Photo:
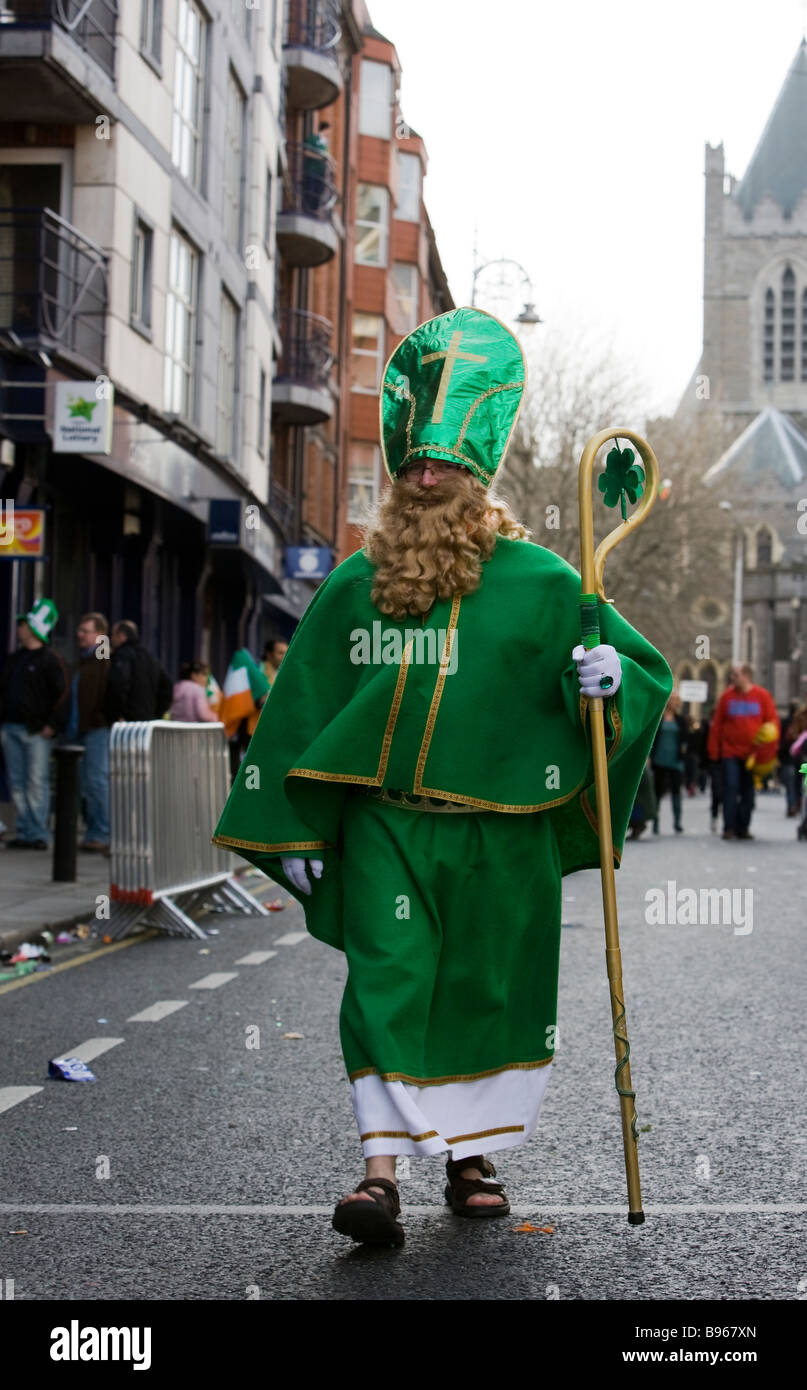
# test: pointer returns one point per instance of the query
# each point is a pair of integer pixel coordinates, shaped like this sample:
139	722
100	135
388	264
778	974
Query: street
205	1161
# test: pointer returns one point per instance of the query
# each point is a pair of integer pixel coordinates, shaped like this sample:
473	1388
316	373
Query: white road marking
256	958
12	1095
155	1012
93	1047
213	981
543	1208
291	938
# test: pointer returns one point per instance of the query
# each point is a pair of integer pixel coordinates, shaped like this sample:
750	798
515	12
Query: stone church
753	372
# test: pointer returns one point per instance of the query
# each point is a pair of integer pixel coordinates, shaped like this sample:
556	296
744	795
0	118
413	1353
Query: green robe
506	730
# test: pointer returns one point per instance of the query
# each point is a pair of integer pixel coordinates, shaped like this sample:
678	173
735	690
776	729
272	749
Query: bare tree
678	563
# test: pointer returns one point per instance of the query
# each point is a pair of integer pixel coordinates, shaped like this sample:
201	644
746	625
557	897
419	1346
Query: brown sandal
373	1222
458	1189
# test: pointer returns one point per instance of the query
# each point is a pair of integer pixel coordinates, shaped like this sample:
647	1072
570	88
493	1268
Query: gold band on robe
411	801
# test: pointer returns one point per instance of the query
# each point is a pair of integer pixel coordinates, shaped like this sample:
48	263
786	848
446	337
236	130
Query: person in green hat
421	778
33	708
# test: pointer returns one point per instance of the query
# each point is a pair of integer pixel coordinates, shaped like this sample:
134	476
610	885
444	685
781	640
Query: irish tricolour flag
244	685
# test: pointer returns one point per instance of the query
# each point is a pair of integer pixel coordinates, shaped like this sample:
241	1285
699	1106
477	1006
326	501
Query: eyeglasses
433	465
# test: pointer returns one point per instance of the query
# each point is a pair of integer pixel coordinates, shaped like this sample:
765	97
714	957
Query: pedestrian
798	752
736	730
137	686
33	708
273	653
789	764
190	702
668	759
693	757
645	807
425	751
89	726
243	696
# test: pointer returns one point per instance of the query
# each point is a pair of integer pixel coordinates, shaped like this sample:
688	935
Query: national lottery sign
22	532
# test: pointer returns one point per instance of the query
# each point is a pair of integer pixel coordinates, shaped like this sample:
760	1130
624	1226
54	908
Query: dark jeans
668	779
791	781
738	795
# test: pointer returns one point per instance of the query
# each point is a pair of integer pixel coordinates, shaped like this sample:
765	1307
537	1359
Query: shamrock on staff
621	477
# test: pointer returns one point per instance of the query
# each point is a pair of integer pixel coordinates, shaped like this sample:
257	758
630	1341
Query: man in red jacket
741	712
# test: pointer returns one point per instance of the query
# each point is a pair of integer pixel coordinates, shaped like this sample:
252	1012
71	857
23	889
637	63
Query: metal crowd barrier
168	784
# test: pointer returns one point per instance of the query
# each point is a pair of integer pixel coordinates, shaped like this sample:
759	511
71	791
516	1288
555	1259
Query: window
768	335
151	29
267	213
367	358
225	397
748	642
408	209
375	99
233	146
180	325
764	546
362	481
188	64
372	224
262	413
405	279
141	274
788	324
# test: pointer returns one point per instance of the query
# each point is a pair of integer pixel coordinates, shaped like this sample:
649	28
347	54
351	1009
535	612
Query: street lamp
737	605
512	280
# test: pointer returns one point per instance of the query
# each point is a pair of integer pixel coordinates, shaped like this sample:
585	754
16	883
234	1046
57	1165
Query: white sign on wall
82	419
693	692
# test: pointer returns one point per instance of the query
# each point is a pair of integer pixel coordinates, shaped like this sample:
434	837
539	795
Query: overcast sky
571	135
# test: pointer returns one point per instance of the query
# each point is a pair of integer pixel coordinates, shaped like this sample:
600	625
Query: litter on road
69	1069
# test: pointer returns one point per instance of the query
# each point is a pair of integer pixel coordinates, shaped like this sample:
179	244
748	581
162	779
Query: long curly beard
430	543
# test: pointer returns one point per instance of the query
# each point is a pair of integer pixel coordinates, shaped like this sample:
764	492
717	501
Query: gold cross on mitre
451	354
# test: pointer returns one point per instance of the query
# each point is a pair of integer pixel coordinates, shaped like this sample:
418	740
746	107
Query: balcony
300	394
310	55
53	286
282	507
44	48
305	232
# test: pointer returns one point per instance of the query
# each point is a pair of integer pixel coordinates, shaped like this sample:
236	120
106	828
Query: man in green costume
424	755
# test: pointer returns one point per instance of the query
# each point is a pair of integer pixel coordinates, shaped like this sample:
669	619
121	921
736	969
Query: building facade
753	376
211	217
139	148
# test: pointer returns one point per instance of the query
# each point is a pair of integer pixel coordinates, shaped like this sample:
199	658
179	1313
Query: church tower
753	373
755	265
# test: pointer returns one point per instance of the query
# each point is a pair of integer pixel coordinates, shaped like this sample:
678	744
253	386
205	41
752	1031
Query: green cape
506	730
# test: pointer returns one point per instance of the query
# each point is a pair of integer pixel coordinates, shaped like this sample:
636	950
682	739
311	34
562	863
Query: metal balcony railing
91	23
307	357
312	24
53	283
309	185
281	505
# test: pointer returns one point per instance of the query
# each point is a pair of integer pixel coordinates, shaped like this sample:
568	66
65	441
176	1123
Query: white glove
294	869
593	665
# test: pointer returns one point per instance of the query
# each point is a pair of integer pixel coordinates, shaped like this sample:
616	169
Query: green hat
42	618
452	390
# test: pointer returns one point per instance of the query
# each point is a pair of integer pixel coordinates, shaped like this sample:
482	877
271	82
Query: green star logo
79	407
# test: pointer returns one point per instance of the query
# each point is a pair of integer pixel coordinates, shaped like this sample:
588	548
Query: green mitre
452	389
